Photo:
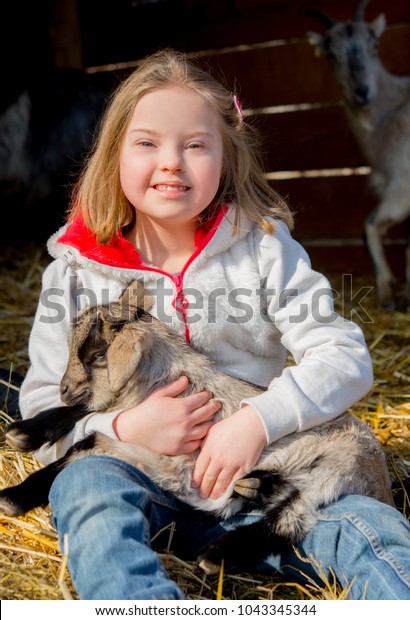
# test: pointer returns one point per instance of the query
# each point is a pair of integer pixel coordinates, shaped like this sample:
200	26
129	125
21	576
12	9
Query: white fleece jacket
245	300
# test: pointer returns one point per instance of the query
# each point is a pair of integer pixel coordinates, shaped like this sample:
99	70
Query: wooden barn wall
261	48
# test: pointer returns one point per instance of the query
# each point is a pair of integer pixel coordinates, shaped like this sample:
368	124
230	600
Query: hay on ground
32	566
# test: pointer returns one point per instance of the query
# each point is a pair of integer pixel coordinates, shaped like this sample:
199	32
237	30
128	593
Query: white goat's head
352	49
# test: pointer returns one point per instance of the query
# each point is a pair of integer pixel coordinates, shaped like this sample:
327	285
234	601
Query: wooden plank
395	49
135	30
331	208
254	22
343	10
276	75
115	32
291	73
65	35
356	261
308	139
328	208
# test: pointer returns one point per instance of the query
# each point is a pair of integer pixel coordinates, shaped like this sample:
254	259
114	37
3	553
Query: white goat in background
377	105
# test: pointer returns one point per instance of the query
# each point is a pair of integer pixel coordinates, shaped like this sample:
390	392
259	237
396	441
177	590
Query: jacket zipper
180	302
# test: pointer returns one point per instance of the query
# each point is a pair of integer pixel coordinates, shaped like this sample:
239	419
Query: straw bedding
32	567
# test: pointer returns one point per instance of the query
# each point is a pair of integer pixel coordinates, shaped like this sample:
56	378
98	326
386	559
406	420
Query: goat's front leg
407	291
46	427
248	488
375	228
34	490
394	208
260	487
243	548
249	544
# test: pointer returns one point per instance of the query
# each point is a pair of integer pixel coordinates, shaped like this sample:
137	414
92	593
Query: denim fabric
111	512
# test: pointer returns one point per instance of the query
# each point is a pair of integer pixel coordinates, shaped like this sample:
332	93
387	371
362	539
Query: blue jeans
111	511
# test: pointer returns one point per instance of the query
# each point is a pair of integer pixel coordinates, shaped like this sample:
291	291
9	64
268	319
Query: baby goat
377	105
118	354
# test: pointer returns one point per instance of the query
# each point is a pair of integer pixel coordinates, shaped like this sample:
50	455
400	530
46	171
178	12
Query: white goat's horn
359	13
322	17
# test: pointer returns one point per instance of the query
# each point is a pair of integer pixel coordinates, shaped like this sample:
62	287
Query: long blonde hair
98	195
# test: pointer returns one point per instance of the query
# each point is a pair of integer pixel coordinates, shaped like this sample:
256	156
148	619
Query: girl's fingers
195	401
209	480
222	483
200	430
173	389
212	481
205	412
198	403
201	465
191	446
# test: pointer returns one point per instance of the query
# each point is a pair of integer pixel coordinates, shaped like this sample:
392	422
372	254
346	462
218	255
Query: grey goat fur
377	105
118	354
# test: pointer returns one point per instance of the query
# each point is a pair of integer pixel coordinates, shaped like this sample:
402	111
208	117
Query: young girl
173	193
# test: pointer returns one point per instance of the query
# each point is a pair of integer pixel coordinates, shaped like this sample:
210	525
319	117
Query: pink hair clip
238	106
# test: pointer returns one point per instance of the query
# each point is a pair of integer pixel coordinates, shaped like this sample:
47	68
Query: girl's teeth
163	188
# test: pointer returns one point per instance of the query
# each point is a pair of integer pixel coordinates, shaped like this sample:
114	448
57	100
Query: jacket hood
77	243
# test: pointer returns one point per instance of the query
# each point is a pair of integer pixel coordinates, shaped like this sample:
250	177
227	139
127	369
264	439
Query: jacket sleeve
48	352
333	368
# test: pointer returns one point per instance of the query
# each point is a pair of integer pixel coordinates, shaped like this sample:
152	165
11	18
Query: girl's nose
171	160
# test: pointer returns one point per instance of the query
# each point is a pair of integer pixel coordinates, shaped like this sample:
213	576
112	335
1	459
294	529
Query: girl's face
171	156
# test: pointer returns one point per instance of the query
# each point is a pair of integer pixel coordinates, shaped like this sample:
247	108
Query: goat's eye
98	357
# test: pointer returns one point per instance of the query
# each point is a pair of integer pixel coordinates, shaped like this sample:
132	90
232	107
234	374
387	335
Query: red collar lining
120	252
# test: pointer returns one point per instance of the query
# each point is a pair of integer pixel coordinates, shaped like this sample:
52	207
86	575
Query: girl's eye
145	143
196	145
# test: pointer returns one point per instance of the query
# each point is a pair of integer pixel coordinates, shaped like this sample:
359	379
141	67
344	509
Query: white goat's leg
393	209
384	277
407	291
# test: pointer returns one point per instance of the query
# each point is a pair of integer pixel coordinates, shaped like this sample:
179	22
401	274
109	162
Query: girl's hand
230	450
166	424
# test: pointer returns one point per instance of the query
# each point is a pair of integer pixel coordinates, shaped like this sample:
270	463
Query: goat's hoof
385	296
18	439
258	486
210	561
248	487
209	568
388	306
9	507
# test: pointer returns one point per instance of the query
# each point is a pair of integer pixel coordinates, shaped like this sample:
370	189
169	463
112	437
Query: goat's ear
136	296
123	357
378	25
316	39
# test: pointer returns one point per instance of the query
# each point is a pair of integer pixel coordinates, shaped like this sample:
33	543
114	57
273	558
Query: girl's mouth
171	188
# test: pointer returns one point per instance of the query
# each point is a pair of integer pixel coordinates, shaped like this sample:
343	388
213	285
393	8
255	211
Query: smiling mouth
171	188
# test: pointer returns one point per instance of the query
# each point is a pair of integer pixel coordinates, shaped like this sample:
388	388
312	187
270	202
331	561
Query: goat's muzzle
362	95
70	398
